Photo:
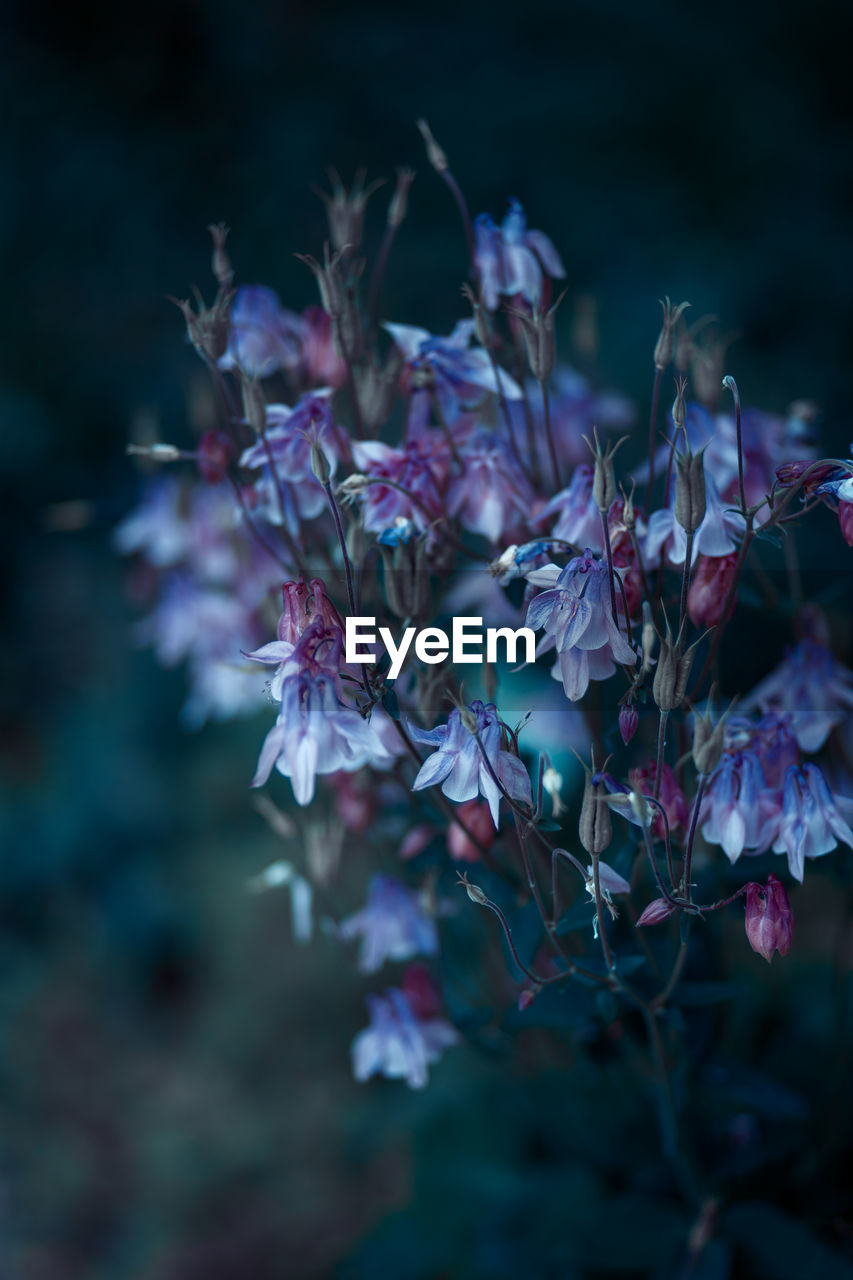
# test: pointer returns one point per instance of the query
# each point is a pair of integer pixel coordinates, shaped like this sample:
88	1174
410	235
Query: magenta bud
525	1000
628	721
656	912
769	918
212	456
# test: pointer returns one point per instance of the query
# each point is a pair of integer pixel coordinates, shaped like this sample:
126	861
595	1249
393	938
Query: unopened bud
628	721
678	406
220	262
475	893
525	999
666	337
320	463
156	452
769	919
656	912
690	490
435	155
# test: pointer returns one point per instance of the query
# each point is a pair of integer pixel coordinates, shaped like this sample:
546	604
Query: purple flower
264	338
418	468
315	732
737	805
577	618
491	494
460	763
462	373
290	433
578	517
810	823
398	1043
393	925
511	259
575	408
816	690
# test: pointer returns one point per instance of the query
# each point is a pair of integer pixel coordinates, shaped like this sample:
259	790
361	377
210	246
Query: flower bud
678	407
525	999
475	893
212	456
320	463
689	490
769	919
595	829
477	823
220	263
628	721
435	155
656	912
399	200
666	337
709	589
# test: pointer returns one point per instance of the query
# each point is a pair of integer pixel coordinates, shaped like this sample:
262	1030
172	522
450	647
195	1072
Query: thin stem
691	836
653	423
685	581
605	529
546	410
348	569
730	383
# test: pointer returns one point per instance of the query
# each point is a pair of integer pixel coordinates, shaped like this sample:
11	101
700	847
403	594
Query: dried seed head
345	209
666	337
538	329
690	503
399	201
220	263
672	672
678	406
595	828
435	155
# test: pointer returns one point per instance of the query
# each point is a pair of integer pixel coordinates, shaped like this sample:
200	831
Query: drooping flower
466	763
737	805
491	495
576	615
264	337
810	823
769	919
813	687
461	374
419	468
478	824
400	1042
393	925
511	259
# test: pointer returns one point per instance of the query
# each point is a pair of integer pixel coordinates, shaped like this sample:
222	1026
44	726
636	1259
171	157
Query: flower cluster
361	469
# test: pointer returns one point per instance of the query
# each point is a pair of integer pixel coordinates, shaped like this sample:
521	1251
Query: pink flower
769	919
709	589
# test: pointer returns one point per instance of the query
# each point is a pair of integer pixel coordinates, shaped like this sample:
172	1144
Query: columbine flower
419	468
737	805
671	798
302	604
810	823
315	732
461	373
491	495
264	337
578	517
289	437
478	821
393	925
460	763
811	685
511	259
400	1042
577	618
769	919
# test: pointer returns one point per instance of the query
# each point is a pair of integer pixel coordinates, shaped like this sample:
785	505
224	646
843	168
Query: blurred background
175	1091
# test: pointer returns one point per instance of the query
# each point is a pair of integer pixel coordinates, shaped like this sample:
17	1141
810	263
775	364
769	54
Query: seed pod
690	490
666	337
595	829
672	673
